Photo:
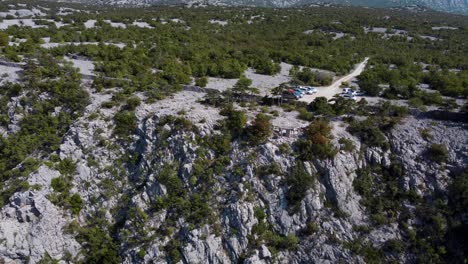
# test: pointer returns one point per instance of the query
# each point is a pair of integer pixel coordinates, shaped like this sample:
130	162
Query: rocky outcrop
113	177
410	147
30	227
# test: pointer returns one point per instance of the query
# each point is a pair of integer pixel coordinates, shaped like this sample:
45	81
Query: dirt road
330	91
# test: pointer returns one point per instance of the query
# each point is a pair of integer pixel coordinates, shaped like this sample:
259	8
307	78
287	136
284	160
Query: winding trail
331	90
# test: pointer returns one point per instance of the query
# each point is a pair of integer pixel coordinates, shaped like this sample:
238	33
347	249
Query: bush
260	129
346	144
97	246
309	77
310	229
270	169
267	67
202	81
220	143
172	249
437	153
369	83
299	181
125	123
304	114
235	121
76	203
66	166
321	106
369	133
284	148
317	141
426	134
133	102
61	184
3	39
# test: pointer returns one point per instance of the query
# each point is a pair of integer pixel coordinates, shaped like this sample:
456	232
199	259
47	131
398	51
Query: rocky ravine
123	183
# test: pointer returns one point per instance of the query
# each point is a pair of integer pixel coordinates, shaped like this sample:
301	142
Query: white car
311	90
359	93
349	96
352	92
347	90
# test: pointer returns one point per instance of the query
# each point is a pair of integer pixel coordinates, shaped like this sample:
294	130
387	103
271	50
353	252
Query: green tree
278	92
125	123
4	39
321	106
317	141
299	181
242	87
235	121
260	129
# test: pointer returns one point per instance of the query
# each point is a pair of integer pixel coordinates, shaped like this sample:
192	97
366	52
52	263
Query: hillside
232	135
451	6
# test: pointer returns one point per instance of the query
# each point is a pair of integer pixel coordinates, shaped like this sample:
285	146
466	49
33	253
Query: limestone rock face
30	226
411	149
122	182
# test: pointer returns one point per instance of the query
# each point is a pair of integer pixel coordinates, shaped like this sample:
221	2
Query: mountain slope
453	6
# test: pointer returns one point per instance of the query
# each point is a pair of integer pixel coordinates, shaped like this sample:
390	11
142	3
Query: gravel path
330	91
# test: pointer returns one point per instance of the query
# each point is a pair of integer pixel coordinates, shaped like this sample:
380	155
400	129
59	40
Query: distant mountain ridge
452	6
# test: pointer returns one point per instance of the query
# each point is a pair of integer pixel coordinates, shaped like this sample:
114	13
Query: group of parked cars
299	91
351	94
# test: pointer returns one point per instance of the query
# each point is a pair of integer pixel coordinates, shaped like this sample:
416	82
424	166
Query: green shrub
426	134
235	121
125	123
284	148
346	144
66	166
259	214
76	203
220	143
202	81
4	39
133	102
270	169
260	130
304	114
317	141
299	181
370	253
61	184
321	106
97	246
47	259
437	153
310	229
369	133
172	249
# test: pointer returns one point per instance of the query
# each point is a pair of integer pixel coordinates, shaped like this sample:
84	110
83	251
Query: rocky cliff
177	191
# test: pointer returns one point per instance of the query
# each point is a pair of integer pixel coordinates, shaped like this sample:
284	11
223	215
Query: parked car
352	92
292	94
346	90
349	96
359	93
298	95
299	90
311	90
